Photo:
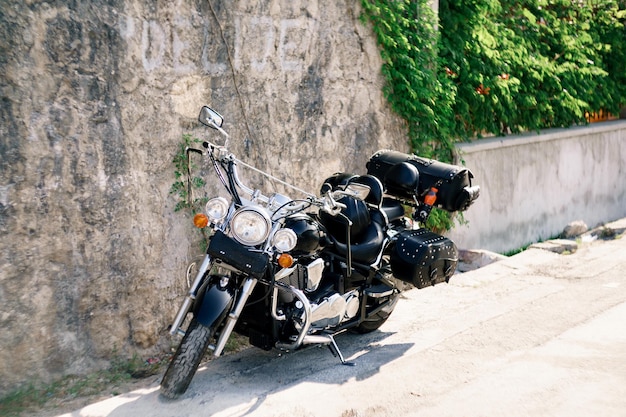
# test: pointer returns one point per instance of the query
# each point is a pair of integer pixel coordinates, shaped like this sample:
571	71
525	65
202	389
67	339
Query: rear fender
212	305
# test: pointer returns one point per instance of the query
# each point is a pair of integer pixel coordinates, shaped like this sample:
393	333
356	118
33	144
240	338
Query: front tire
186	360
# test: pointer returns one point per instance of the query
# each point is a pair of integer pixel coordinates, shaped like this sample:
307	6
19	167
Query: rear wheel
186	360
379	318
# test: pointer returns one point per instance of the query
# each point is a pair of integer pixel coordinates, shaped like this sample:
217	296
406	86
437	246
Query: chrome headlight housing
284	240
250	226
216	209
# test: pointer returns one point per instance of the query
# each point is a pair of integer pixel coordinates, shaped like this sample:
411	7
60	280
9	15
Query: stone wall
533	185
95	97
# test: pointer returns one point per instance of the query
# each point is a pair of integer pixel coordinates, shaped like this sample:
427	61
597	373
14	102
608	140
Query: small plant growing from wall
187	185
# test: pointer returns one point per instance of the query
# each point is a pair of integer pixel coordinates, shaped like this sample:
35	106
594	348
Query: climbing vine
409	43
498	66
532	64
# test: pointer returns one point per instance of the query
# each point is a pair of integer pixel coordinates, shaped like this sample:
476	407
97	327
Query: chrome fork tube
232	318
191	296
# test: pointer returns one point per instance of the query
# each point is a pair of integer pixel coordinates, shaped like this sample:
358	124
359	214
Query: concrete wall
533	185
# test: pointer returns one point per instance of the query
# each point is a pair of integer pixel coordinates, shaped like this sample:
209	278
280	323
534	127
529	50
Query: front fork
190	298
233	316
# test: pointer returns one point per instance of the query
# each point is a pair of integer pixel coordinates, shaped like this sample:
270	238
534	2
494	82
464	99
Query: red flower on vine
450	72
481	89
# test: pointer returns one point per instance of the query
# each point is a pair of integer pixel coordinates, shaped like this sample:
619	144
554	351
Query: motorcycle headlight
284	240
250	226
216	209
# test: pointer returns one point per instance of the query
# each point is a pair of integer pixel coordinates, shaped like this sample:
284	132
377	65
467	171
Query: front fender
212	306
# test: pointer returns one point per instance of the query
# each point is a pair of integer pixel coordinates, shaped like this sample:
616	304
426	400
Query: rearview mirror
210	117
358	191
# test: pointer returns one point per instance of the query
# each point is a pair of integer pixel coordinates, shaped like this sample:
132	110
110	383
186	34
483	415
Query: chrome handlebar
326	203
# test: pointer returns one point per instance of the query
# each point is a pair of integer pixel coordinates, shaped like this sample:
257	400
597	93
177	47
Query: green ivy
533	64
411	65
415	88
498	66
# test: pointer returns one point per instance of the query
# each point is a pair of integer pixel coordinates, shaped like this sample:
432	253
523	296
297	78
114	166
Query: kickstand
334	349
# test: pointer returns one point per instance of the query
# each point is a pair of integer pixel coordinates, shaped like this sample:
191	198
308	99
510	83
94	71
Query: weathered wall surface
533	185
95	97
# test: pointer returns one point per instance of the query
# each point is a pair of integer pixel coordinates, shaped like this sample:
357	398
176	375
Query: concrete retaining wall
533	185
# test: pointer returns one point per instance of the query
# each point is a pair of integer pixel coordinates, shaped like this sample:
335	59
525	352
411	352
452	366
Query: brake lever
339	206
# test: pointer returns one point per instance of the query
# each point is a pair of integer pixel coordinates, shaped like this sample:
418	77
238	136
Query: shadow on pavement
238	384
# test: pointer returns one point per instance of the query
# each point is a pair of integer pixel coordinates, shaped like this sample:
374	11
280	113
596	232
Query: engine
328	308
330	311
334	309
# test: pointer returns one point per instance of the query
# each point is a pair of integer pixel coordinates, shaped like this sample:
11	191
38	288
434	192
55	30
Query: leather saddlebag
423	258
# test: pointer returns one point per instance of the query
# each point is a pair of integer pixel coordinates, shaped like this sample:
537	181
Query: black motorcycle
287	273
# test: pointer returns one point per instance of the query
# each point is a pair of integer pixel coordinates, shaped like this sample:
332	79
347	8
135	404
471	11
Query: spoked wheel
376	320
186	360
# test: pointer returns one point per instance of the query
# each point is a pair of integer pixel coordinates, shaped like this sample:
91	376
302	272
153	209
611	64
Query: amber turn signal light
431	197
200	220
285	260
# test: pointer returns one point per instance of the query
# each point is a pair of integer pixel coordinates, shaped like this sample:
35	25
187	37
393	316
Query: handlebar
327	202
223	155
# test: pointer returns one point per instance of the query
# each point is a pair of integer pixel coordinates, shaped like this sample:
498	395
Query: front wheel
186	360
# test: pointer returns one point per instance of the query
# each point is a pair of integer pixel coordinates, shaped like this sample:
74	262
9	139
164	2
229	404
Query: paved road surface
538	334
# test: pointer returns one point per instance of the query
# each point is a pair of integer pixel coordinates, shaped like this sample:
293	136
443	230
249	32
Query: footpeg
379	291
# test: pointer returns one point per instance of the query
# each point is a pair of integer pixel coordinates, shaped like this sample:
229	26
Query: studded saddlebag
423	258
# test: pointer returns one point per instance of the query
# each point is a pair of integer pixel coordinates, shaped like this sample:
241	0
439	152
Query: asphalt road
538	334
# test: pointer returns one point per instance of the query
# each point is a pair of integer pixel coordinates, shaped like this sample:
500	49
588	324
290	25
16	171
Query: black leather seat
393	209
367	248
366	238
